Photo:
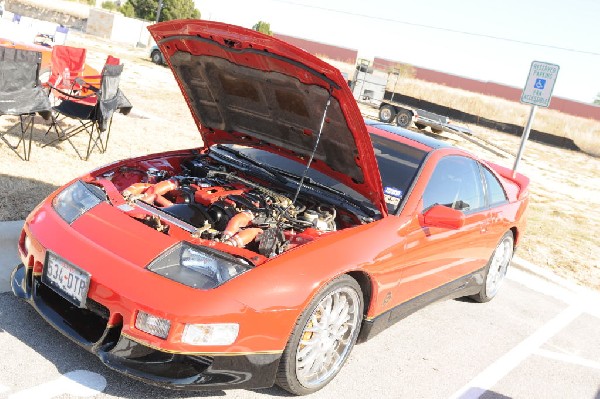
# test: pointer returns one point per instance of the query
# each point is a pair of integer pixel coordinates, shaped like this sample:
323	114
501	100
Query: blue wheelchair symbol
540	84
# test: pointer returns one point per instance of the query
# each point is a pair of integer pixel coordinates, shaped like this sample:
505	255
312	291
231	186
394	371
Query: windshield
291	167
398	165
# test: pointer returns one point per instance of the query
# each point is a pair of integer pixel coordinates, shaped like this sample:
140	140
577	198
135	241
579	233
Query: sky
481	39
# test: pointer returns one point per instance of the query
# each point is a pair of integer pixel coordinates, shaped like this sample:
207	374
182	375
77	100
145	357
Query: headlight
152	325
76	200
196	267
210	334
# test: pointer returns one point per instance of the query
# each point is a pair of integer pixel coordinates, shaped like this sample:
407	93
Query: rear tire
323	338
496	268
387	113
404	118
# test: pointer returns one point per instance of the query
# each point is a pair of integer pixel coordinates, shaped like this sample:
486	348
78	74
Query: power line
355	14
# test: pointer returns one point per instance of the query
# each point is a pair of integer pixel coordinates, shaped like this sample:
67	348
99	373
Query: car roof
429	142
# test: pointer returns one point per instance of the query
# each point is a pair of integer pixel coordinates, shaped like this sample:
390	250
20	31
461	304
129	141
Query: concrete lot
539	338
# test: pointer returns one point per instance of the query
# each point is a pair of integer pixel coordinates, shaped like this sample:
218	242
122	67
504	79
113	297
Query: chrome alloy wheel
498	266
327	337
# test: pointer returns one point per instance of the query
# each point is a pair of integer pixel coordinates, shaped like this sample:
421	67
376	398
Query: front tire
322	338
387	113
156	57
496	269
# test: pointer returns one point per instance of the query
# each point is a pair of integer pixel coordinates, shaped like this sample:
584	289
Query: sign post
537	92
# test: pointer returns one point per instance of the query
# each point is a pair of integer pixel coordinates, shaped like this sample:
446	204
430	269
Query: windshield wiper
274	172
339	194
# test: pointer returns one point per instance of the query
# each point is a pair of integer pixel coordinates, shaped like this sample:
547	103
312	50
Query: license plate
66	279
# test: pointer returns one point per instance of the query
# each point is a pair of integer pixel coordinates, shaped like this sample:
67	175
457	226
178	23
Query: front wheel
387	113
156	57
323	338
496	269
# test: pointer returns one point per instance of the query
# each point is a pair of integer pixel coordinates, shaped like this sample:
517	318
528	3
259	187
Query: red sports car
263	256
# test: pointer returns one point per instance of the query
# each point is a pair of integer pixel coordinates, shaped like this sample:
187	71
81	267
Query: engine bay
203	200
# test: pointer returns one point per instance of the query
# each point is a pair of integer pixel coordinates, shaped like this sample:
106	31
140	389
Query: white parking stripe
501	367
81	383
558	288
563	357
3	388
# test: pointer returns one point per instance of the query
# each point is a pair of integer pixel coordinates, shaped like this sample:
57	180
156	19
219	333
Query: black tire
156	57
387	113
420	126
404	118
435	130
291	374
495	270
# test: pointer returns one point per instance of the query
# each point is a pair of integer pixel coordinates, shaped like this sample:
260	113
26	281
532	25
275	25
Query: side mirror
442	216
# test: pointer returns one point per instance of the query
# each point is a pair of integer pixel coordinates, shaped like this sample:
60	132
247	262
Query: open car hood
248	88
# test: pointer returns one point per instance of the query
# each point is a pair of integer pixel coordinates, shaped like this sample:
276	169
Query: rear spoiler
520	180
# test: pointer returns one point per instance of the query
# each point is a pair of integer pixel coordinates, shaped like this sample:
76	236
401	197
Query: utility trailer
369	86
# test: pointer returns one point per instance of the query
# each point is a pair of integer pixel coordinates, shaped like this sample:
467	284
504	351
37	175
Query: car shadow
21	321
20	195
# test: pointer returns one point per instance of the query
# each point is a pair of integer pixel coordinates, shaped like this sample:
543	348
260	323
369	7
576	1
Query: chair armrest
70	95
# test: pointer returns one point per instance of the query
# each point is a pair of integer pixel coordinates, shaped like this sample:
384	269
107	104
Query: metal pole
160	4
524	138
397	73
364	63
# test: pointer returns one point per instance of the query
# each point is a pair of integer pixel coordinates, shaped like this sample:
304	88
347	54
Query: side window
496	193
455	183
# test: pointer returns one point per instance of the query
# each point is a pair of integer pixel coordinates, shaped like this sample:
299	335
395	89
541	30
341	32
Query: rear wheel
496	269
323	338
387	113
404	118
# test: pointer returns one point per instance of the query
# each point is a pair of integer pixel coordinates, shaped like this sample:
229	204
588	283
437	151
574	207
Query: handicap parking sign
540	84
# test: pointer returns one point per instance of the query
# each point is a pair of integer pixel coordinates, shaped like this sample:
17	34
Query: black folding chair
93	112
21	95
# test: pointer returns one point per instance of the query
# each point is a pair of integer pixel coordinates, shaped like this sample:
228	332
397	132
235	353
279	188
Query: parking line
563	357
80	383
501	367
3	388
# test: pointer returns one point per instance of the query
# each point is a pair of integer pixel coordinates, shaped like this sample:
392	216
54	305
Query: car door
436	256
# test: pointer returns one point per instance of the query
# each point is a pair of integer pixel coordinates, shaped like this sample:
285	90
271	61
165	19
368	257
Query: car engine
215	202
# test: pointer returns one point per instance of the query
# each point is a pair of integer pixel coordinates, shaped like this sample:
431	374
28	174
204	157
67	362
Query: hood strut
310	159
314	150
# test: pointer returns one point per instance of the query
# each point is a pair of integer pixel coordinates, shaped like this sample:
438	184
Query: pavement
9	258
539	338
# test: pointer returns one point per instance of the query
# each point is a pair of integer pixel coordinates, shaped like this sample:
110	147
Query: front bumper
90	329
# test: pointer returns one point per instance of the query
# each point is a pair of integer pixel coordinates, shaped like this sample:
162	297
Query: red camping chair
68	63
93	111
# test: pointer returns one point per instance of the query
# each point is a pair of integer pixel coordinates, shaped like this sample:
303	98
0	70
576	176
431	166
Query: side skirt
464	286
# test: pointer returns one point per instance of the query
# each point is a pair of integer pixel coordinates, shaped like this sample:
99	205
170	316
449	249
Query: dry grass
584	132
564	222
79	9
